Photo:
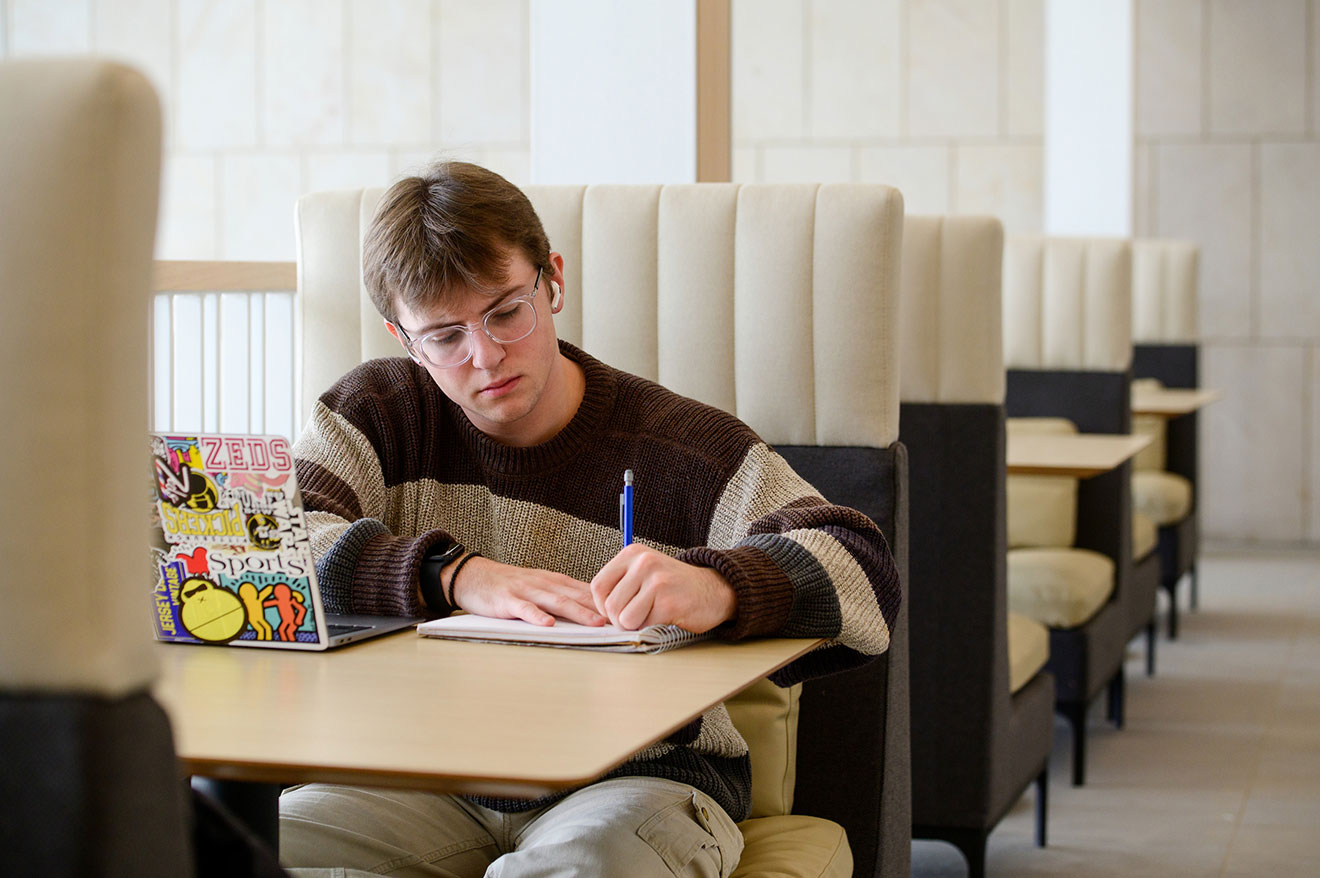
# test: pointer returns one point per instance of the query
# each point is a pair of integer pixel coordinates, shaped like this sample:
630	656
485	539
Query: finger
621	595
530	612
635	614
604	582
573	607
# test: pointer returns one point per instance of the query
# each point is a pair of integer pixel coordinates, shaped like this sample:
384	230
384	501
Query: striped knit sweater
389	467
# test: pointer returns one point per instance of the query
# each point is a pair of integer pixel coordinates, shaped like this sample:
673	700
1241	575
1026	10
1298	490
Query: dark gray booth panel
1177	365
975	746
853	748
90	787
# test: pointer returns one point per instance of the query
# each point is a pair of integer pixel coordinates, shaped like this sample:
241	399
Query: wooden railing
224	347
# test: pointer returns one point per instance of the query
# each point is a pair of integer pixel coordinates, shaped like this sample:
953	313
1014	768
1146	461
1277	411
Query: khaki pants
632	827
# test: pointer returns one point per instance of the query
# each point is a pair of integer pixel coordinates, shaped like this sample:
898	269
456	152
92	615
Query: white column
1088	117
613	89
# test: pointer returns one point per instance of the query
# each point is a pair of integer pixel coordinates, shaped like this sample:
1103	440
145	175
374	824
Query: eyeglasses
451	346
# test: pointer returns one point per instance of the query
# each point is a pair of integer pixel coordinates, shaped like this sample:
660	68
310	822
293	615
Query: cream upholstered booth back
814	271
1067	303
1165	275
950	319
80	145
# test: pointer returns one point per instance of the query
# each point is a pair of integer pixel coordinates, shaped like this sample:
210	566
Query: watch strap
435	560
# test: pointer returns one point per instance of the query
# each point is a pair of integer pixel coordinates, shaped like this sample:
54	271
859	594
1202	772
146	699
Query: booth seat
778	843
1145	533
1161	496
88	780
1028	650
706	288
1165	279
982	701
1068	352
1048	579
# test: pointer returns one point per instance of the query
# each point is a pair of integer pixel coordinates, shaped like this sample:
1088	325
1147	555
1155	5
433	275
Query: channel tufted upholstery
1165	275
88	778
1165	278
1067	303
1068	349
751	298
980	736
778	303
951	338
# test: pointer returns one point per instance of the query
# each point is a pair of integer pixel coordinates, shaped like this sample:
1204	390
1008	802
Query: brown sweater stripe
326	492
765	595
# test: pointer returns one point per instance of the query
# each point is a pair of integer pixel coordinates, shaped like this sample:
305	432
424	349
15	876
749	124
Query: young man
481	473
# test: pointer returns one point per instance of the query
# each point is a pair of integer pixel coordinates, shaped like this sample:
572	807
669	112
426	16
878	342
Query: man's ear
556	282
394	331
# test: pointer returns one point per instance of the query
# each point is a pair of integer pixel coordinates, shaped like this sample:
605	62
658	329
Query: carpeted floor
1217	772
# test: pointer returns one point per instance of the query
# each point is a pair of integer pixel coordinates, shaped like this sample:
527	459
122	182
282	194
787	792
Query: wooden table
408	711
1080	455
1171	402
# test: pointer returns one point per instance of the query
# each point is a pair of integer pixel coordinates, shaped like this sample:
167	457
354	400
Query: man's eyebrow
445	324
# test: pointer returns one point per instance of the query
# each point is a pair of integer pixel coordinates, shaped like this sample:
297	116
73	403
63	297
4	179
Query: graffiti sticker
232	557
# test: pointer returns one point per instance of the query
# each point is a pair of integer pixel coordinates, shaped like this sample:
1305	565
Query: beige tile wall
267	99
1228	154
942	98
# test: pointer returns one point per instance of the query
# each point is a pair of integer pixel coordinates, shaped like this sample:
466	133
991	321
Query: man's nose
486	352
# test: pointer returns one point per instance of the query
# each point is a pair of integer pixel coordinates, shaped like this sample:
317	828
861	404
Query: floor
1217	772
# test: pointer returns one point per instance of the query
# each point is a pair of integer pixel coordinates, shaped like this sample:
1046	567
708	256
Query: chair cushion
1028	649
1042	510
1145	535
794	846
1154	456
1061	588
766	716
1162	497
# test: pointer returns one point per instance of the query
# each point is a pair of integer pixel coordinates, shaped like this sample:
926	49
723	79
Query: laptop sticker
232	557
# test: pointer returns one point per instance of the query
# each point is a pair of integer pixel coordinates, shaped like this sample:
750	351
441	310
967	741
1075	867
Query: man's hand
501	591
640	587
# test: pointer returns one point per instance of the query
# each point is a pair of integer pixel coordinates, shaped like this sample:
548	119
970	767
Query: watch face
449	554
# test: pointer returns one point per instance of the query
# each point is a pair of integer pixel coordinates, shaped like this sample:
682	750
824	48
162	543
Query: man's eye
446	340
506	314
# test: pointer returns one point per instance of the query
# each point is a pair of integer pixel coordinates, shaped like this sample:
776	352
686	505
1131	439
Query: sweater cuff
764	593
370	571
386	579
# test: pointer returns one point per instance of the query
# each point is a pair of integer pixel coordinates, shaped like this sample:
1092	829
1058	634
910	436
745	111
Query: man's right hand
502	591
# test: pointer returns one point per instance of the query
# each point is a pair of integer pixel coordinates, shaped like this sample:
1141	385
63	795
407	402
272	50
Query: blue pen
627	513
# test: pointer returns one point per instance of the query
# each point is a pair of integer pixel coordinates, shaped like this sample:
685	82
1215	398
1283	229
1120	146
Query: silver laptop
231	556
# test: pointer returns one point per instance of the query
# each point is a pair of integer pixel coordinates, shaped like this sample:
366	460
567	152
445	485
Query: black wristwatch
437	557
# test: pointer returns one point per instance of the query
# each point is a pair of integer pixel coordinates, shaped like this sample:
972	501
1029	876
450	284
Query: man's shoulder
654	410
375	381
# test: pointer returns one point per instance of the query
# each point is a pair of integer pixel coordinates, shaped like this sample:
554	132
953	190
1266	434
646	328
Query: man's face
503	387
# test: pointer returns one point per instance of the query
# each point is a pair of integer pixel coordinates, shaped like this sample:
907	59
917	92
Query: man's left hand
640	587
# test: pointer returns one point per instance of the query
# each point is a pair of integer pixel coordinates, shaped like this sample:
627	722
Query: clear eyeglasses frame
451	346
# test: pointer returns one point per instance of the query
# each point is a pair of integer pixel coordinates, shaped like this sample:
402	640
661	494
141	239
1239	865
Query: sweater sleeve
361	566
801	567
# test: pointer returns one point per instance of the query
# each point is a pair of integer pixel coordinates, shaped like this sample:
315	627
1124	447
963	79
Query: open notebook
653	638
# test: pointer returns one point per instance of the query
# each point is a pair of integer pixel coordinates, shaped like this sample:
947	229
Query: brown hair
448	228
